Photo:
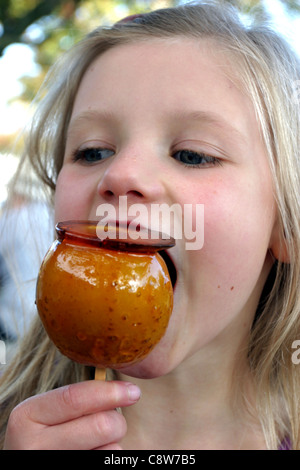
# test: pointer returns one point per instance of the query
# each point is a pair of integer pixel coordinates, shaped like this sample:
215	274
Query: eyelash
81	155
209	160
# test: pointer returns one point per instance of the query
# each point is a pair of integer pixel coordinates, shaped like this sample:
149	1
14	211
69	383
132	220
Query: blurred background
33	33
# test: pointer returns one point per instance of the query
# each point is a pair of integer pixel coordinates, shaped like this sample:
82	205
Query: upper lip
137	227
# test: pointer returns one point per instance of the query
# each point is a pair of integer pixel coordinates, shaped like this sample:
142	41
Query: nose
133	176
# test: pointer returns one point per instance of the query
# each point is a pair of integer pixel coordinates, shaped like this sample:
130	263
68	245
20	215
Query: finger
102	429
75	400
114	446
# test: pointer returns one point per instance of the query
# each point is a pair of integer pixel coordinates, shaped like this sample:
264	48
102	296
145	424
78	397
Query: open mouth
170	265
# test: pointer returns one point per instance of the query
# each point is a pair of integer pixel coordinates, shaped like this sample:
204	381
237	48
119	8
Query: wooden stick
100	374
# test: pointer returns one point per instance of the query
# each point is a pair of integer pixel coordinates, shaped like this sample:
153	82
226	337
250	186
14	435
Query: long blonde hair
268	70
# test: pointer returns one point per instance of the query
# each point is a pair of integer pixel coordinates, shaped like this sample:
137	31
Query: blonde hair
268	70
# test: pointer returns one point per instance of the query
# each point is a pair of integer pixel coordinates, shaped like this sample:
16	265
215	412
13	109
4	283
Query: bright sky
18	60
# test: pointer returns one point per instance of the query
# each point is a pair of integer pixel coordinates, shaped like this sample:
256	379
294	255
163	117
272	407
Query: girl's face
163	123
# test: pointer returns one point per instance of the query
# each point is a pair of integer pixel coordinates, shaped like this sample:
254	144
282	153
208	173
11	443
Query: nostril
130	194
108	193
134	193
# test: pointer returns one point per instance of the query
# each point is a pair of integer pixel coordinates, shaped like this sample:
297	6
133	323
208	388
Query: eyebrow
88	116
212	118
207	117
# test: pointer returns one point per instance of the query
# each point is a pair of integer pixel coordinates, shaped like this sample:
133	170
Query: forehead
174	75
180	57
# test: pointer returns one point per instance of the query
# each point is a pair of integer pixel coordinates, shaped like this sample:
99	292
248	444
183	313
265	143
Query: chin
157	364
144	370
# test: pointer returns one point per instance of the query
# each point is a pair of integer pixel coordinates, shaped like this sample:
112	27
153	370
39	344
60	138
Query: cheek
241	212
238	223
71	198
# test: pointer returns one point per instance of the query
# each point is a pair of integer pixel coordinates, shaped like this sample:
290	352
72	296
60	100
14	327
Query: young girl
185	106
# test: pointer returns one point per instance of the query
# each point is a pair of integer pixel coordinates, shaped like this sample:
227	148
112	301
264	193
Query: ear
278	244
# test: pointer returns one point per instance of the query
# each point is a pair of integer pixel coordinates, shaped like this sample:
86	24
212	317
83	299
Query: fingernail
134	392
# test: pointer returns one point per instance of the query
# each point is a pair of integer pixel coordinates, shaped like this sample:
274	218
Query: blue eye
92	155
194	159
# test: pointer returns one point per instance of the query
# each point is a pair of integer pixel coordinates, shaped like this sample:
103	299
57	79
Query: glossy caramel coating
103	307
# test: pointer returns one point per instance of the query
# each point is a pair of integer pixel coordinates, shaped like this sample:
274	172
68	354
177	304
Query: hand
79	416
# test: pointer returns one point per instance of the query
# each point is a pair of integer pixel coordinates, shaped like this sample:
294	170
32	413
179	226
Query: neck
194	407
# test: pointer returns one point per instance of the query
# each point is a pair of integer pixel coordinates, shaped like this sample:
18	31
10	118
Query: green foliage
53	26
21	18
